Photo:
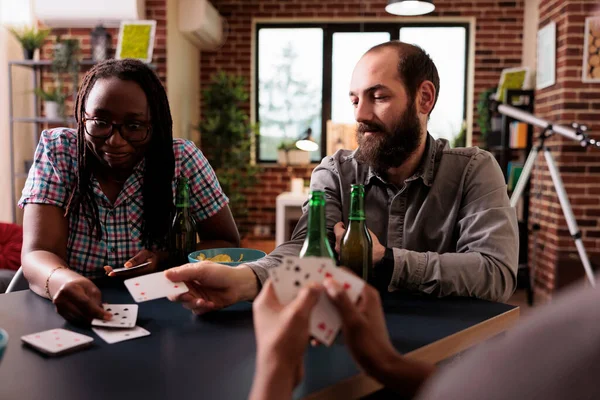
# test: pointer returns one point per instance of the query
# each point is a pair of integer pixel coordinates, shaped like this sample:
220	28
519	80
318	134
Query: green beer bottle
356	249
316	243
183	228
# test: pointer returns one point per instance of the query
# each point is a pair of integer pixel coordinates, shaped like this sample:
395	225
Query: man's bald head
414	66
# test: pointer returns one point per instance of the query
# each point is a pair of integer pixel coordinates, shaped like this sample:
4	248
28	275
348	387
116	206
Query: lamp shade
307	142
410	7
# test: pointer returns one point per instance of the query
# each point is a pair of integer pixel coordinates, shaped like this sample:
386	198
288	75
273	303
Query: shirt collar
132	185
425	171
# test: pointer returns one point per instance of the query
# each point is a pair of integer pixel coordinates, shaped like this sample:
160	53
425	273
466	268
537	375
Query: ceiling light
410	7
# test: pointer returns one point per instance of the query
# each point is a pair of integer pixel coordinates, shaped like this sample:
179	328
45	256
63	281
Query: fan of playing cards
294	273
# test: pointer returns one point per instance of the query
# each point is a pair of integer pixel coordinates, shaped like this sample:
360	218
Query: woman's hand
78	299
142	263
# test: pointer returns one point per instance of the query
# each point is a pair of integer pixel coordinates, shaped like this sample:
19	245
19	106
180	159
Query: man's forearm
262	266
459	274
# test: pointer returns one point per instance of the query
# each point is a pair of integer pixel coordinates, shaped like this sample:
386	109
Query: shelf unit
524	100
36	119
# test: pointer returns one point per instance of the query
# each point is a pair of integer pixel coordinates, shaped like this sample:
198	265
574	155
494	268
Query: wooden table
213	357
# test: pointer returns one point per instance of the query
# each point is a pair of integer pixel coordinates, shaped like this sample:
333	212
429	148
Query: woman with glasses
102	195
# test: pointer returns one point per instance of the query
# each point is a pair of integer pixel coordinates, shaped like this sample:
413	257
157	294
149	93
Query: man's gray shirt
450	226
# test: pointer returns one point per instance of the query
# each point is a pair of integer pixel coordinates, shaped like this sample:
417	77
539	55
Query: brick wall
498	33
568	100
155	9
261	199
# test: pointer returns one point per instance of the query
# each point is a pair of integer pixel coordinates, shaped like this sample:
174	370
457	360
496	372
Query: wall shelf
35	119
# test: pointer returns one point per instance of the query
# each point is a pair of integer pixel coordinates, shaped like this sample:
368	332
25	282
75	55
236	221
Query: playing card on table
57	341
153	286
111	336
123	316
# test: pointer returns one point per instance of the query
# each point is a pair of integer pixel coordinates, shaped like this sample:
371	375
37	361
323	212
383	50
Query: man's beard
383	150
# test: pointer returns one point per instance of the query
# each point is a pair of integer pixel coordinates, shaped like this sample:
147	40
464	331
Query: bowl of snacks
228	256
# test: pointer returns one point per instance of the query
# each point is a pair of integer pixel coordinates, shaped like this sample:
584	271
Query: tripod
548	130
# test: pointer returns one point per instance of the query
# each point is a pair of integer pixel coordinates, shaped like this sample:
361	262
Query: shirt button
112	249
111	213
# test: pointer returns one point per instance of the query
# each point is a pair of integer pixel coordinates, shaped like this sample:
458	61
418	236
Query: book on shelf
513	173
518	135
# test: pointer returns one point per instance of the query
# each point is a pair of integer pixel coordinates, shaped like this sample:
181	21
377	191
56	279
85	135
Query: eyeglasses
130	131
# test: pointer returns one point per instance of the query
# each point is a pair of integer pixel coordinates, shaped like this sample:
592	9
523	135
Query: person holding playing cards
101	195
439	218
530	362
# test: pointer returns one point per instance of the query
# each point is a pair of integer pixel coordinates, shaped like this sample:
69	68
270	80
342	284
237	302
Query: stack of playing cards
295	273
57	342
121	326
143	288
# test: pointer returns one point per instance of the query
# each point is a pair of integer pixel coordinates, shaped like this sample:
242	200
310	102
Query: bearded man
439	217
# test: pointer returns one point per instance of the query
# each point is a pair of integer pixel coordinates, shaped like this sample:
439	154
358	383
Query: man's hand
378	250
78	300
142	257
282	334
213	286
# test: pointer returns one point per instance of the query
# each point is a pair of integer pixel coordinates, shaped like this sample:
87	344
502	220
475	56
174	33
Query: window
443	44
303	75
347	49
290	82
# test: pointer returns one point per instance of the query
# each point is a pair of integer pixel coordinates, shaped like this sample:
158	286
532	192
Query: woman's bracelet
48	281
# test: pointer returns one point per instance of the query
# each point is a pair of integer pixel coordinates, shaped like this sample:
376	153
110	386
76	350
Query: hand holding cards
153	286
294	273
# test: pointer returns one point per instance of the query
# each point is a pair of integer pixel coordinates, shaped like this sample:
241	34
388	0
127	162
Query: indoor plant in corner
227	138
30	38
54	102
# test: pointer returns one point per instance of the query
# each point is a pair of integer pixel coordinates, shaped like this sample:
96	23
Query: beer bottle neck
182	198
316	223
357	206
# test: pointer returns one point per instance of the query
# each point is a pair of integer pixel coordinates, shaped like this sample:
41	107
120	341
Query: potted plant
488	124
64	59
227	138
54	102
31	39
289	154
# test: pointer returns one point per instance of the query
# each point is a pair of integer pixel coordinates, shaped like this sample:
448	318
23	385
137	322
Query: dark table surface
209	357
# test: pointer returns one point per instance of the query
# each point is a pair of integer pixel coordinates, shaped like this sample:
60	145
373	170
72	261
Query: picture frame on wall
546	56
591	50
136	40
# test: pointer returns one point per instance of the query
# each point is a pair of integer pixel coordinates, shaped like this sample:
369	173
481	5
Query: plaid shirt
52	177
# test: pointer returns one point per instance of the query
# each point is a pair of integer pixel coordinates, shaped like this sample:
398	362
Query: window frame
329	28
